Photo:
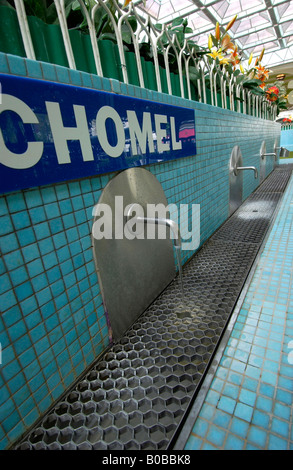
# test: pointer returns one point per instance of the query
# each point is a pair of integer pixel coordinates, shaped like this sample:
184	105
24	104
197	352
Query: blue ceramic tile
257	436
227	404
282	411
234	443
200	428
7	300
16	65
65	206
28	305
115	85
35	267
59	240
42	230
49	71
280	427
106	84
86	80
239	427
3	63
23	291
269	377
243	411
216	436
75	77
97	82
39	282
50	260
194	443
47	309
248	397
62	74
48	195
277	443
45	246
52	210
34	69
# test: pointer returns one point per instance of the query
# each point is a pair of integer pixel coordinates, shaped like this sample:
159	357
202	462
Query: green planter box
10	36
110	59
131	66
47	41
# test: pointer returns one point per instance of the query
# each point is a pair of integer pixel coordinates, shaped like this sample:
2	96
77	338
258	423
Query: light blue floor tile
249	405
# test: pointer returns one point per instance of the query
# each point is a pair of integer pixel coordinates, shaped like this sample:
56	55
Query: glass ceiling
260	23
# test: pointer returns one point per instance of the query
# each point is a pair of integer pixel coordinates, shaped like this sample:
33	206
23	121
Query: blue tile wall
53	324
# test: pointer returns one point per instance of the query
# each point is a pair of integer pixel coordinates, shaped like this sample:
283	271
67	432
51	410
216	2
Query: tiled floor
249	400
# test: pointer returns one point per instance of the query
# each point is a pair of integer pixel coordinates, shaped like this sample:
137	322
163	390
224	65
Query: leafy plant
46	11
177	32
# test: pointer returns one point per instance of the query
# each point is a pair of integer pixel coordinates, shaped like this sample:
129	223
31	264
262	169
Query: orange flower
227	44
234	57
262	73
230	24
272	93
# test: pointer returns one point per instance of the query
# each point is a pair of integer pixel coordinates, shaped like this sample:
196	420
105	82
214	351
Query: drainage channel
138	394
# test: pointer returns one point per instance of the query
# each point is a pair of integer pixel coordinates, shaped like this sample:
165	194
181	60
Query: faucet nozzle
246	168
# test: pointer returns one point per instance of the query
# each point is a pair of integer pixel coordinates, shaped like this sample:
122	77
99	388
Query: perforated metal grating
136	396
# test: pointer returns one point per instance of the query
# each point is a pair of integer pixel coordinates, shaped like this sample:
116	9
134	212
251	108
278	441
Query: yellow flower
210	42
261	55
217	32
250	59
218	55
241	68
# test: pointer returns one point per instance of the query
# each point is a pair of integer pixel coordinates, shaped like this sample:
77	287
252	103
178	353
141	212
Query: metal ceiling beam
275	23
199	6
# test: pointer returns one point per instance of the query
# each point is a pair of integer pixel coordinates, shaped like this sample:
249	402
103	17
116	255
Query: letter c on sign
19	161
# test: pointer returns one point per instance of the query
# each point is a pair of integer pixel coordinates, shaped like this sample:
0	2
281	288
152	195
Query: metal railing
213	84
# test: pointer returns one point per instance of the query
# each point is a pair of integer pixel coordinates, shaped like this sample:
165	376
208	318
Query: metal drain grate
250	222
136	396
277	180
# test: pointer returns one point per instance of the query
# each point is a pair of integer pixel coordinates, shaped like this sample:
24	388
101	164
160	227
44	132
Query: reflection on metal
272	154
132	272
262	170
235	180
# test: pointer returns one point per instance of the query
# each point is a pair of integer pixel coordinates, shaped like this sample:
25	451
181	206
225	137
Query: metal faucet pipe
246	168
158	221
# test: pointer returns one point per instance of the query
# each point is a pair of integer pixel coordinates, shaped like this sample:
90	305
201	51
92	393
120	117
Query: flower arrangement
226	54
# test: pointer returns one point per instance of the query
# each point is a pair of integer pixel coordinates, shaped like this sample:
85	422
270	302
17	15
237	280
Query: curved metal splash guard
235	180
132	272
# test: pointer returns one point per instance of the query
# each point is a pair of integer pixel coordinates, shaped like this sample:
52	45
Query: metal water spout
284	153
246	168
157	221
272	154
